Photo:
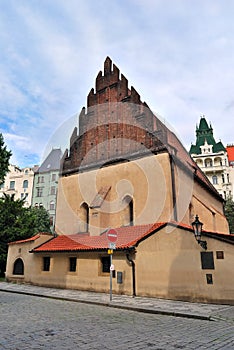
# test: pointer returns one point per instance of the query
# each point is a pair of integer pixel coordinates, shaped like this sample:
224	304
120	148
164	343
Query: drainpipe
173	188
133	274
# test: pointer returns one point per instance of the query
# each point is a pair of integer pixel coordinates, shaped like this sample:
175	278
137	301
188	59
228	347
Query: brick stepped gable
117	125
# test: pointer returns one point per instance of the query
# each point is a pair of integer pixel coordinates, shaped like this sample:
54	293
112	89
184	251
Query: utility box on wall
119	277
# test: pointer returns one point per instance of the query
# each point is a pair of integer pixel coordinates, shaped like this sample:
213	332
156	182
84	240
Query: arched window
25	184
215	180
18	268
223	178
52	205
208	162
84	218
128	211
191	212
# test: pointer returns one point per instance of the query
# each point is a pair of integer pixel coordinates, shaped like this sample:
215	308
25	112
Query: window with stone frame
52	190
12	185
39	191
25	184
215	180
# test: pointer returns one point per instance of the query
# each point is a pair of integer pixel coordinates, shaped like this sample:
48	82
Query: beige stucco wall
21	250
146	180
167	265
88	275
194	199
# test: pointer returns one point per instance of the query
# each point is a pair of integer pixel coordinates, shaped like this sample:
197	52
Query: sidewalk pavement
209	312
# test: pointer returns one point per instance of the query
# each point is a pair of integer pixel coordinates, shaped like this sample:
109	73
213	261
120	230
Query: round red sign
112	235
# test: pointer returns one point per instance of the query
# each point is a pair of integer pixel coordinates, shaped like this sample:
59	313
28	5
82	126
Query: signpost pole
110	278
112	237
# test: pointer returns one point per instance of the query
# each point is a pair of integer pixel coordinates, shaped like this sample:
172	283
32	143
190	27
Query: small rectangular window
46	263
105	260
220	254
12	185
52	190
72	264
39	192
209	278
53	177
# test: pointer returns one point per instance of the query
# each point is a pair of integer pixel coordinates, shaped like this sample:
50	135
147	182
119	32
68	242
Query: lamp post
197	230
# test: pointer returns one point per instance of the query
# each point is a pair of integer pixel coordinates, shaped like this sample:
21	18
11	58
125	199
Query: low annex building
127	171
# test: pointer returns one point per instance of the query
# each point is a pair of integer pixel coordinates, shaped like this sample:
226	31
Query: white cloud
178	55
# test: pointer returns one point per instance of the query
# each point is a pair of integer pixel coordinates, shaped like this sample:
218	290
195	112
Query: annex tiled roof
127	237
30	239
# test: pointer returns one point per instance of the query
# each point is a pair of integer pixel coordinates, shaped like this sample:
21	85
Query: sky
178	55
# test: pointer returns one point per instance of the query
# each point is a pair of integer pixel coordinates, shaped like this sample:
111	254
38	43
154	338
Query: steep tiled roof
127	237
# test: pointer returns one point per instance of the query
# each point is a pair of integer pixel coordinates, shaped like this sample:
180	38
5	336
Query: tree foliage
4	159
229	212
18	222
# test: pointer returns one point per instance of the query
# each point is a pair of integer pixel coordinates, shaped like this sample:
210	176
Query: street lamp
197	230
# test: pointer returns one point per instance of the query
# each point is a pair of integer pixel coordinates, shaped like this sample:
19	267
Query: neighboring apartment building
212	158
230	153
46	183
19	182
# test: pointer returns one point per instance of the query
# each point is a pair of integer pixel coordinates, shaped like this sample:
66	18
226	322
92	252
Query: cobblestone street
30	322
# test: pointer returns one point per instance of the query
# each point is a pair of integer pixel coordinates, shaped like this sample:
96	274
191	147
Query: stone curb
115	305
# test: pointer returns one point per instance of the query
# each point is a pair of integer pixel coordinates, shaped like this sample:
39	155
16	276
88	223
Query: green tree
4	159
229	212
18	222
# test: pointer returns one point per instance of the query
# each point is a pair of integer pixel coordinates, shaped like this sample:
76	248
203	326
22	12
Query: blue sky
178	54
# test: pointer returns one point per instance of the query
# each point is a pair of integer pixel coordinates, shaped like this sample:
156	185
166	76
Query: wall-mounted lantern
197	230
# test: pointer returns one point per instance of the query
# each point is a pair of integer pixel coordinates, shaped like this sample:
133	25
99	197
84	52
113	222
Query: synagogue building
126	173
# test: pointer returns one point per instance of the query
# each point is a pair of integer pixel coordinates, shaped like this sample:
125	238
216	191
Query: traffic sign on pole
112	245
112	235
112	238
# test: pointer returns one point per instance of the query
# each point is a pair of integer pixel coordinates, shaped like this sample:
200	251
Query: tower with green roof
211	157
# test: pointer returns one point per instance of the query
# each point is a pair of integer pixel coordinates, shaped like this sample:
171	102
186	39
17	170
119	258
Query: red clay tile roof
33	238
230	152
126	237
